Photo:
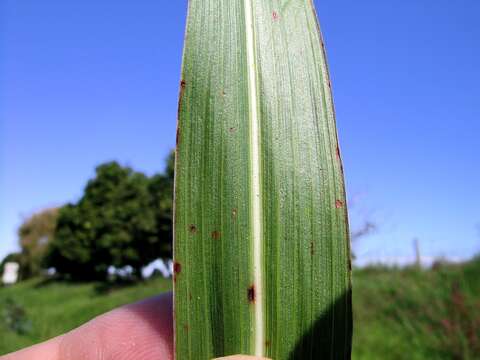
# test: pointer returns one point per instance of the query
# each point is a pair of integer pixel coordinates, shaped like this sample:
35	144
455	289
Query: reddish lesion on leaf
192	229
180	98
216	235
177	269
339	204
178	135
251	294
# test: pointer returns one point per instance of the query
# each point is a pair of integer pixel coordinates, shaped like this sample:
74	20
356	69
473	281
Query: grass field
399	313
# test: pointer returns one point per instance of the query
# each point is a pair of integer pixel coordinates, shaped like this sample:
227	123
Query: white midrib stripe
256	206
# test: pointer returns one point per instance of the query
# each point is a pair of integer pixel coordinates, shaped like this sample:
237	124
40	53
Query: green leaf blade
212	251
262	253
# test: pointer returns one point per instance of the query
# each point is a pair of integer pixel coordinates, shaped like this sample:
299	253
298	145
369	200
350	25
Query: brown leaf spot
178	135
312	248
192	229
338	152
339	204
234	213
177	268
232	129
268	343
186	327
275	16
216	235
251	294
180	97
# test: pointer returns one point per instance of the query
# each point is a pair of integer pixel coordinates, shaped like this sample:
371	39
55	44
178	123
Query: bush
15	318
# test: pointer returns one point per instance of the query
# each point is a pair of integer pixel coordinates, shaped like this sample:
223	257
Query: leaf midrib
256	212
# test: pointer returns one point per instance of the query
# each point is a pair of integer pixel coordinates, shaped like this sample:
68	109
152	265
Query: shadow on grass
55	280
100	287
330	337
47	281
110	286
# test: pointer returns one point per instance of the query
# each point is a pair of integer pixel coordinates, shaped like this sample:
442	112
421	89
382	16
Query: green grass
398	313
417	314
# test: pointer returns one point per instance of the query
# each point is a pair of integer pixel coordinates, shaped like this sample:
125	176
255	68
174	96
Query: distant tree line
124	218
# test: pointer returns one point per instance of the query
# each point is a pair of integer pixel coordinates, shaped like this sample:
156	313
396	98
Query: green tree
123	218
34	235
161	192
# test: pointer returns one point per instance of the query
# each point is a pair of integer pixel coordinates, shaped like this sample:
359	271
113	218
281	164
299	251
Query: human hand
141	331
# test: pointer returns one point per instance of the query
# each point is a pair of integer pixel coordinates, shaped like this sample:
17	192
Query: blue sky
83	82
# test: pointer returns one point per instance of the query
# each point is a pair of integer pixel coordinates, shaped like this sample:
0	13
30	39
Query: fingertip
45	351
140	331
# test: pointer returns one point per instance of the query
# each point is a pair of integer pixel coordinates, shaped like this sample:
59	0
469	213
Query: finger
45	351
142	331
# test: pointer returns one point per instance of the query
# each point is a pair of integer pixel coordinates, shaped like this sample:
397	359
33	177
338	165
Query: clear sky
83	82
